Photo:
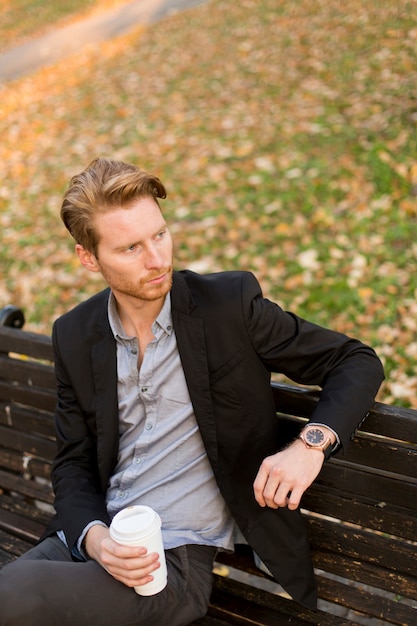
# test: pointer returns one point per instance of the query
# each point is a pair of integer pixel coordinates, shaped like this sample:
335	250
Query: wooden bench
361	512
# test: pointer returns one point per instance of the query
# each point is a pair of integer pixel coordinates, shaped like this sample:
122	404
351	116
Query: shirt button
169	327
148	426
144	389
134	351
138	461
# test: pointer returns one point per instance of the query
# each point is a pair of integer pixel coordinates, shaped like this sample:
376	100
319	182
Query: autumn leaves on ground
286	134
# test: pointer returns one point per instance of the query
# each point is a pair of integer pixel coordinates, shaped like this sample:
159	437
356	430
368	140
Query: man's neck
138	316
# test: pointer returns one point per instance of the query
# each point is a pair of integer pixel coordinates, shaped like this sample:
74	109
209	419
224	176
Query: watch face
314	436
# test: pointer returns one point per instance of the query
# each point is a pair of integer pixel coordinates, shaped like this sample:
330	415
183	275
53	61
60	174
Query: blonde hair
104	185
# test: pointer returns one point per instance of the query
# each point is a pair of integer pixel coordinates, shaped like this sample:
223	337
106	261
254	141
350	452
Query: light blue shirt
162	461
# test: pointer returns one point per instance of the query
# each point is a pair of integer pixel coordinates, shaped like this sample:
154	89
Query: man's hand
283	477
130	565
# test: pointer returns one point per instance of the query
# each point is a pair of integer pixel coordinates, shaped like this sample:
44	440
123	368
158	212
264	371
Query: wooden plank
24	464
207	620
388	455
327	559
391	421
387	420
368	485
239	603
29	344
381	517
20	527
34	445
368	450
30	420
11	547
29	396
33	373
366	602
366	573
28	488
390	553
21	509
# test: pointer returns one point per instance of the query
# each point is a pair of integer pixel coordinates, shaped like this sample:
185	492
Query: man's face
134	251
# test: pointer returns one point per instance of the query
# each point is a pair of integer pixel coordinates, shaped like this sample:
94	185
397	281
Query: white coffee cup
141	526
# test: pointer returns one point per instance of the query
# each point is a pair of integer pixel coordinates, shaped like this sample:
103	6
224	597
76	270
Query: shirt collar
164	319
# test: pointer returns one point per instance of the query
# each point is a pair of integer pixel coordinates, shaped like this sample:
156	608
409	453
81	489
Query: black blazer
229	338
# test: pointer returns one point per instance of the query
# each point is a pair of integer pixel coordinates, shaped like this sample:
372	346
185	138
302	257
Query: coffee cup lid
135	519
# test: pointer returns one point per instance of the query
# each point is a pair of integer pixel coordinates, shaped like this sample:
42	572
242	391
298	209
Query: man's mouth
157	280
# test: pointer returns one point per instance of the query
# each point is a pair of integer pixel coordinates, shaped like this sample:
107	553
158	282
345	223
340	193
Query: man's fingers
268	486
283	477
294	498
259	485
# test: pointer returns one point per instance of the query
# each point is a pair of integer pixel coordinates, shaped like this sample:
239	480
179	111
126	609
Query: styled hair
104	185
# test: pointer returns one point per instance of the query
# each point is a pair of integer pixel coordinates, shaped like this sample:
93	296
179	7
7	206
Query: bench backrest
361	511
27	441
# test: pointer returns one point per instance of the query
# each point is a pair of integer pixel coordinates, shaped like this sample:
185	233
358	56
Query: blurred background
284	130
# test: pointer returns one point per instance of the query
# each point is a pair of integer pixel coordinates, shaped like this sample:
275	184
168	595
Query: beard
141	290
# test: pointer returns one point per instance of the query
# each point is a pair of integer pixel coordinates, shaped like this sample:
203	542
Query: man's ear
88	260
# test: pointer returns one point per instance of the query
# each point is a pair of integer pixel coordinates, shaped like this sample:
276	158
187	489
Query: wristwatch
315	437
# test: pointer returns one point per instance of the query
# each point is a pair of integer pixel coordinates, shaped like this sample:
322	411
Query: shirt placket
147	399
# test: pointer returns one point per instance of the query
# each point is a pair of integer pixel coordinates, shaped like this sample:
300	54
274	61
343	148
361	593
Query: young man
164	399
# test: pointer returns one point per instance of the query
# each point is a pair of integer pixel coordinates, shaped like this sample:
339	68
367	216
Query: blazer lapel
189	332
104	365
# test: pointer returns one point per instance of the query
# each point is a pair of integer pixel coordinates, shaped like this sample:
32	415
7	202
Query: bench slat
18	506
382	419
367	449
370	547
210	621
12	547
30	444
21	527
27	488
384	519
32	373
29	344
25	464
395	457
240	603
371	605
29	396
367	573
30	420
363	482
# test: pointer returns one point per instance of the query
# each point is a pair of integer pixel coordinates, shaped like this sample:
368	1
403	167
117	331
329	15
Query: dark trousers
45	587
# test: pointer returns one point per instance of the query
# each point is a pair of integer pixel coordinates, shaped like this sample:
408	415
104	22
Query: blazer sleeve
79	497
348	372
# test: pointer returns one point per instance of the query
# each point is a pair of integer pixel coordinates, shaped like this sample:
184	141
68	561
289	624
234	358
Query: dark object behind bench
361	512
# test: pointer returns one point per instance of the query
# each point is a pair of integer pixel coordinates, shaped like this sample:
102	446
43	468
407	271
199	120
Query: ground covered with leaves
286	134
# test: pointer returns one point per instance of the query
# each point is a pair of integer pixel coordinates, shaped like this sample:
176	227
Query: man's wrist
334	437
320	438
94	533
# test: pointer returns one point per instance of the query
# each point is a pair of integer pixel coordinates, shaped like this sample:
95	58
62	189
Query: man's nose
154	258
